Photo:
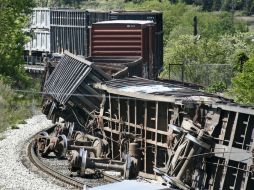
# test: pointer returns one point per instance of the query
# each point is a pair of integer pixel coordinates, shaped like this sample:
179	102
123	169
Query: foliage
14	127
206	61
172	13
216	87
12	20
221	5
14	107
178	20
243	83
83	4
210	25
103	4
187	49
240	59
206	5
219	41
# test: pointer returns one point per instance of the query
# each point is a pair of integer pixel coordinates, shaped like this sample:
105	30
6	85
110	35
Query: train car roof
141	88
125	22
72	73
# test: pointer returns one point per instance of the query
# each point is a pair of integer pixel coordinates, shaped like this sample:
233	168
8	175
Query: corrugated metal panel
68	31
68	18
114	42
96	16
93	17
68	28
70	82
154	16
40	18
39	42
125	38
157	91
72	39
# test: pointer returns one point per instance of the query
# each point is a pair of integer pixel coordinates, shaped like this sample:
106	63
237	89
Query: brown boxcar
125	38
154	16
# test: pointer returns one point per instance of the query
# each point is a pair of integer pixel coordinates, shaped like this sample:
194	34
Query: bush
14	127
243	84
206	61
217	87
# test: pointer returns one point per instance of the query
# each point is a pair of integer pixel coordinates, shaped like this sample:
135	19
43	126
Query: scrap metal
191	139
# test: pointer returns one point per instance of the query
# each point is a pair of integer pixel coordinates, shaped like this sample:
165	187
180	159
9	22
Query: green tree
225	5
173	14
216	5
206	61
243	83
12	20
249	7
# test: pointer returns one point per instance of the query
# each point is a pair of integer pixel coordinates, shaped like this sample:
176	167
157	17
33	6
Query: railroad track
77	184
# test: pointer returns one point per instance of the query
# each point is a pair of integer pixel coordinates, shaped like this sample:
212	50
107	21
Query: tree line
221	5
245	6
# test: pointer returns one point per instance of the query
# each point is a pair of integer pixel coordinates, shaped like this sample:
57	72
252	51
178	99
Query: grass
2	137
22	122
246	19
14	107
14	127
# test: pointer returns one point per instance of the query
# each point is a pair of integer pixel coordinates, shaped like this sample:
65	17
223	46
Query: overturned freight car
69	82
192	139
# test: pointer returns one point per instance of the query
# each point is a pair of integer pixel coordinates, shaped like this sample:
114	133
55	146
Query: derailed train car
192	139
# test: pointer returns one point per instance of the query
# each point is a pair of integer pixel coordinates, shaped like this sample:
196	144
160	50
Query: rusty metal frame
230	125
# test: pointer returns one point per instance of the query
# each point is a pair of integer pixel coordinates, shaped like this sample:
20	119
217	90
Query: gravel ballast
14	175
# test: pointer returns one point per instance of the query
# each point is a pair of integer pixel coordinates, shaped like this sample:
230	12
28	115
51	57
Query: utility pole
195	25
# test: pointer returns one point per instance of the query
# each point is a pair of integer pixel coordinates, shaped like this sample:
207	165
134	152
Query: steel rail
63	178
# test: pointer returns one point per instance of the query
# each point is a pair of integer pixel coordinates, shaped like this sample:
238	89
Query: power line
111	96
